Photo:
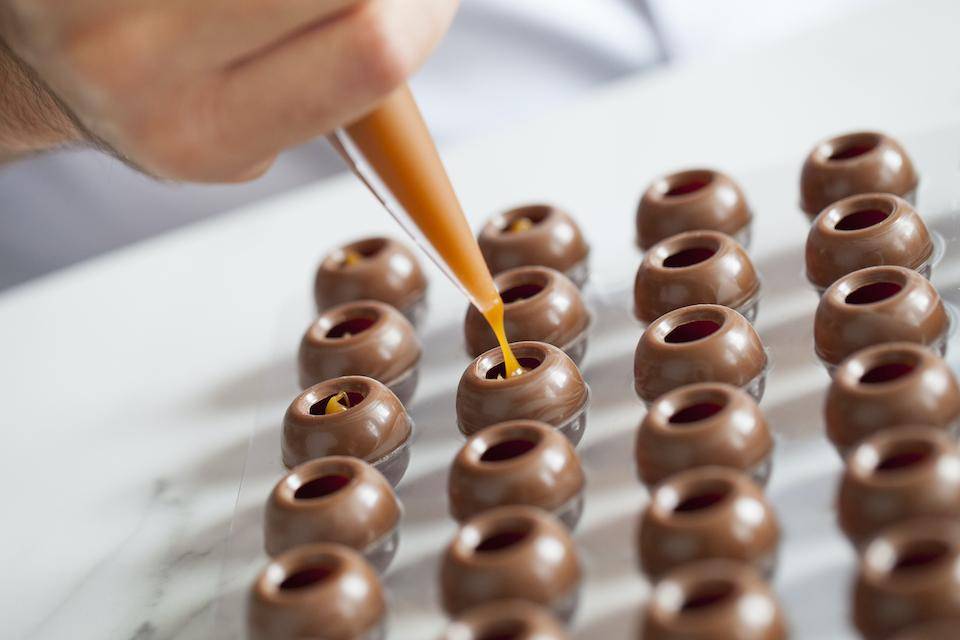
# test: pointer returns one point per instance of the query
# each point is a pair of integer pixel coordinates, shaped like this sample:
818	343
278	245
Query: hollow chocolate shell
713	600
691	200
895	475
909	574
372	269
536	234
369	423
334	499
552	391
511	552
317	591
866	231
877	305
709	423
855	163
706	513
506	620
521	462
695	267
890	385
700	343
539	304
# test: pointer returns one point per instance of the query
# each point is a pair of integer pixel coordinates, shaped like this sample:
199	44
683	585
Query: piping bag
392	152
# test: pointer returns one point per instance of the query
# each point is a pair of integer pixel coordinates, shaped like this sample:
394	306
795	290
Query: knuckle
385	61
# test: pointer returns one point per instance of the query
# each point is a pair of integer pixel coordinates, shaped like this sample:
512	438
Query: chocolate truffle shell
317	591
378	343
700	343
709	423
540	304
895	475
889	385
909	574
333	499
372	429
691	200
877	305
713	600
506	620
694	267
387	271
521	462
867	230
705	513
855	163
511	552
553	392
553	241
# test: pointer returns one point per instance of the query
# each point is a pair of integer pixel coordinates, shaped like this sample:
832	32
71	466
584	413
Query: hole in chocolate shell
691	331
307	577
683	185
696	412
920	554
506	630
887	372
498	370
707	594
507	450
520	292
873	292
319	407
688	257
500	540
533	215
705	496
853	148
905	455
861	219
350	327
321	487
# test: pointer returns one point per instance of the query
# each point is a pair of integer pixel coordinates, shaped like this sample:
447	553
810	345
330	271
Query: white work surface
140	389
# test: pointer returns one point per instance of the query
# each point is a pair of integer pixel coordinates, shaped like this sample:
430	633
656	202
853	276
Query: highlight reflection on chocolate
711	600
890	385
511	552
895	475
552	391
700	343
506	620
709	423
706	513
908	575
540	304
695	199
866	231
376	268
877	305
855	163
695	267
317	591
373	426
536	234
334	499
521	462
365	338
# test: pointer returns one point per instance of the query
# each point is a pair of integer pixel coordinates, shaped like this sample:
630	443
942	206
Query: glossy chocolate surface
700	343
316	591
370	269
889	385
551	391
552	239
706	513
851	164
895	475
521	462
694	267
909	574
877	305
510	552
691	200
333	499
713	600
709	423
540	304
374	427
365	338
865	231
506	620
